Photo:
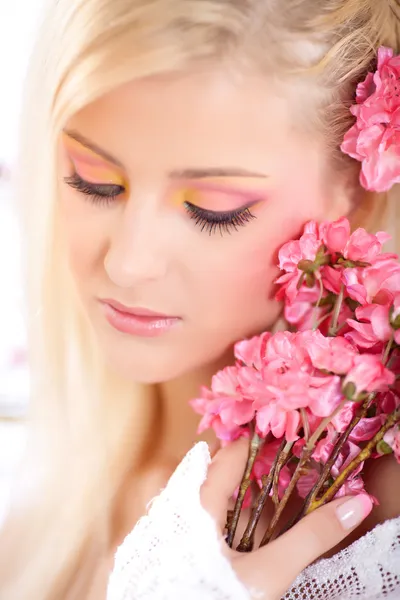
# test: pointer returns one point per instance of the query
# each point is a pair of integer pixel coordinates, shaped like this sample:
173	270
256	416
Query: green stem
336	312
387	351
322	426
306	424
315	311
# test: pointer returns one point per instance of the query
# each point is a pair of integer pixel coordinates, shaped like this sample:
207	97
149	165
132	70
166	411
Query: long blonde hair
88	427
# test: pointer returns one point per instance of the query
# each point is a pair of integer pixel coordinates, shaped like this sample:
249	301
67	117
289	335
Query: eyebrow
177	174
91	146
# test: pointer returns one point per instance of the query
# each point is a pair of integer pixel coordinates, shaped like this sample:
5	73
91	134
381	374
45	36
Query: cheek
248	287
235	292
84	235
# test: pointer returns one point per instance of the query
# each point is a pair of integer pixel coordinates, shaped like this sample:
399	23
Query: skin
144	250
220	142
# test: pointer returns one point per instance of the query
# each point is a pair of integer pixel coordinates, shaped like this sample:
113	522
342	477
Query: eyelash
99	194
207	220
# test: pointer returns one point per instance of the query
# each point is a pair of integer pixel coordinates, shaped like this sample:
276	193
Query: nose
136	252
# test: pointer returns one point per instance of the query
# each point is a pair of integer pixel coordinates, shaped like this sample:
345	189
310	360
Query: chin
146	368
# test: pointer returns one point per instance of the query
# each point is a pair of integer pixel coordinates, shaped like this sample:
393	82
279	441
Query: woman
170	148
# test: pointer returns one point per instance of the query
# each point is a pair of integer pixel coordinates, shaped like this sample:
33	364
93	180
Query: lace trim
369	569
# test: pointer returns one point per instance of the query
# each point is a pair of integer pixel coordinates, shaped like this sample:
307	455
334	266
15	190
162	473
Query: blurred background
18	26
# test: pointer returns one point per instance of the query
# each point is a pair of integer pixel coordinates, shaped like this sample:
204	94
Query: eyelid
242	186
220	201
92	171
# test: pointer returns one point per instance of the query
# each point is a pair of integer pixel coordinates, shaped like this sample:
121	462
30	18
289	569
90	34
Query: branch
361	457
305	457
247	541
255	445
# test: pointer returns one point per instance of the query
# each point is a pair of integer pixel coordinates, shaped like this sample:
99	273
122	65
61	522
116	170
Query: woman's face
179	192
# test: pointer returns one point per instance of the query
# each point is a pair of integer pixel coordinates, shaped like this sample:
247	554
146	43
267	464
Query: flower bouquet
320	399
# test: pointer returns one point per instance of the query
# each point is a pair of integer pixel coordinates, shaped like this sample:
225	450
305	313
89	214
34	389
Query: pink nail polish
352	512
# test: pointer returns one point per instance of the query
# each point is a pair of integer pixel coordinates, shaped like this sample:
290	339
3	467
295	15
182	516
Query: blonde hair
89	428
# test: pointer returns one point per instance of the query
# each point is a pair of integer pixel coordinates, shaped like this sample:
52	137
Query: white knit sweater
174	553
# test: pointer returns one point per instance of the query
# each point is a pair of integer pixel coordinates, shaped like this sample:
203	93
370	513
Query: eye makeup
214	204
98	193
91	167
213	221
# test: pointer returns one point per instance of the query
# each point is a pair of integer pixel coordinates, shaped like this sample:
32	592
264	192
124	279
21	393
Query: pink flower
291	379
331	279
368	375
276	405
357	246
325	394
333	354
348	453
307	482
388	402
344	417
375	324
335	235
363	431
396	447
224	408
220	415
377	283
271	417
392	438
305	248
364	246
301	311
371	327
374	139
352	487
225	382
290	255
325	446
366	429
252	352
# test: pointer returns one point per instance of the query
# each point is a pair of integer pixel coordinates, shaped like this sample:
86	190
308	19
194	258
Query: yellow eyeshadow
101	175
178	197
90	166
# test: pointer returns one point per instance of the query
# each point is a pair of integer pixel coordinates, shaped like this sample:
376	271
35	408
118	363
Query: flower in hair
374	139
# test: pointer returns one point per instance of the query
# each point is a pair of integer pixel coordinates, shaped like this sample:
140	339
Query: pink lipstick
137	321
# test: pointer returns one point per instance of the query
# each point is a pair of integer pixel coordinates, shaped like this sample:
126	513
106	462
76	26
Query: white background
18	20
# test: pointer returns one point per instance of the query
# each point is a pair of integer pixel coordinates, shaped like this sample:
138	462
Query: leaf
349	390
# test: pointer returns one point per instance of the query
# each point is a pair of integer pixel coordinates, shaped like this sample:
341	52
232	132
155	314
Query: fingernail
352	512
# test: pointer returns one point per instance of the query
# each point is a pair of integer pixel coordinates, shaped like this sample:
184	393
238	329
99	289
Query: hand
272	569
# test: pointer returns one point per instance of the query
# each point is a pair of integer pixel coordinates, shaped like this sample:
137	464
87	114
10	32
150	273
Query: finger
214	447
275	566
224	476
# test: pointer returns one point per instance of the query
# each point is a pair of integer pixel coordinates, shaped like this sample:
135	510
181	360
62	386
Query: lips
138	311
140	322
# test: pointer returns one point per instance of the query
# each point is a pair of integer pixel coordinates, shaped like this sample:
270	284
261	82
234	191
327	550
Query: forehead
200	117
